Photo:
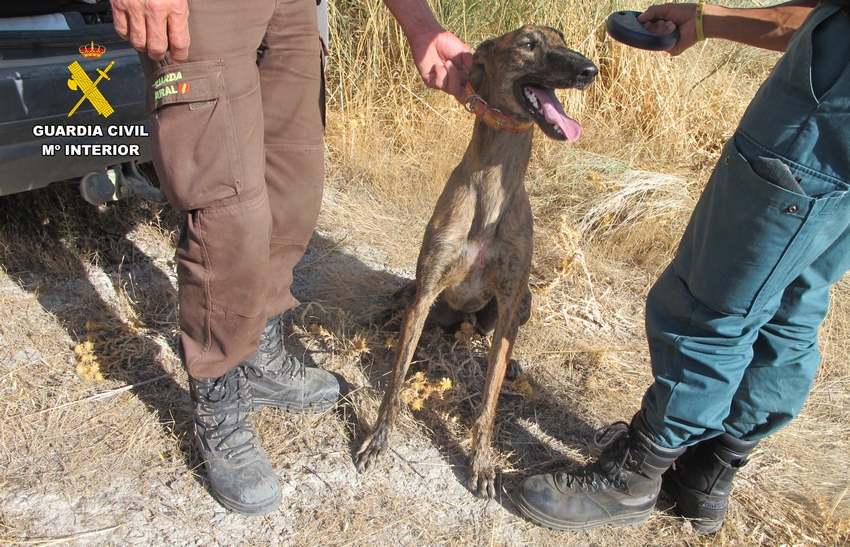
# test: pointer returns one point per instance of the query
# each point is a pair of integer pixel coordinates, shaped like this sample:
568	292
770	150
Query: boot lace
273	359
223	411
613	443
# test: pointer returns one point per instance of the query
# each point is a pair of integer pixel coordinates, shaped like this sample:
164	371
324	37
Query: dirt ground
97	446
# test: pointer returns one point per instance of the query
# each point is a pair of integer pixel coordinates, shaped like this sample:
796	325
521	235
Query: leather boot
280	380
620	488
241	476
701	480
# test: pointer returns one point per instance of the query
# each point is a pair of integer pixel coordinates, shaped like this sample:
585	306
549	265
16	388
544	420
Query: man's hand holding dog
442	59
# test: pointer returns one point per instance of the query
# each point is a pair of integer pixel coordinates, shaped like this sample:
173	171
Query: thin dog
478	244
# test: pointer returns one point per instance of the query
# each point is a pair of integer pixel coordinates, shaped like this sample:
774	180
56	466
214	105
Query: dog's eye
527	45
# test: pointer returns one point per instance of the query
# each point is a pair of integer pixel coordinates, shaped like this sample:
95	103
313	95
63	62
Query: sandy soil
86	461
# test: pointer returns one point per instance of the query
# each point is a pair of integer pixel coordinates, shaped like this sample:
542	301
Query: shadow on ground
50	234
335	283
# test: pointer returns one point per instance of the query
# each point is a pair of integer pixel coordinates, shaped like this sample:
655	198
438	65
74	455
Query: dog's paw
370	451
482	479
513	371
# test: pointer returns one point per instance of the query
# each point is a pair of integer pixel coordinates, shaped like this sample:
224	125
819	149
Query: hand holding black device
624	27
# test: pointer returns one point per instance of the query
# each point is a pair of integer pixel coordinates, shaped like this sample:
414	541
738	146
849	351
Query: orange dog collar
492	116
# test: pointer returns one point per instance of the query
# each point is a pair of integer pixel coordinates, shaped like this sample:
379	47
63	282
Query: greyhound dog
477	246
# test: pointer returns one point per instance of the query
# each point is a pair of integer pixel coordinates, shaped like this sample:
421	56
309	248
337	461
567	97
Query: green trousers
733	322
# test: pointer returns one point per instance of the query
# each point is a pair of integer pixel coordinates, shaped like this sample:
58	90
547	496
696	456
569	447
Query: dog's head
518	72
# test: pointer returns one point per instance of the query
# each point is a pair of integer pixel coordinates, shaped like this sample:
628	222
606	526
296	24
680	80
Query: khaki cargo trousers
237	143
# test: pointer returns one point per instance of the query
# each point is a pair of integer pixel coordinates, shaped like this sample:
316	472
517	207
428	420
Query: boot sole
548	522
249	510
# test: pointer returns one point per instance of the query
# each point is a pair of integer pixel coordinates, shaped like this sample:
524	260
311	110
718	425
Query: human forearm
768	28
414	16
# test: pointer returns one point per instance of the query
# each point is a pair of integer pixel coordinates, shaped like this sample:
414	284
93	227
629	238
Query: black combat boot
241	476
620	488
282	381
701	480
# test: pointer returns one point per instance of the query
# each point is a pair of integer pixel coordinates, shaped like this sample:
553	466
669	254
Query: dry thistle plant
418	388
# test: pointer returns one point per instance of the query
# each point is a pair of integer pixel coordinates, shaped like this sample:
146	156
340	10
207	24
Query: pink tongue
554	113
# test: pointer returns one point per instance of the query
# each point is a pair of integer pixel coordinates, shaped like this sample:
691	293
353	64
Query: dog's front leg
411	329
482	476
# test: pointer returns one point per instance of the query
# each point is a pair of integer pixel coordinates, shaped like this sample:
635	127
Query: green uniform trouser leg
732	324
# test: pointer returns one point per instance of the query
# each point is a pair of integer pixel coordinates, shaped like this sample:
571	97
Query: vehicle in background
72	101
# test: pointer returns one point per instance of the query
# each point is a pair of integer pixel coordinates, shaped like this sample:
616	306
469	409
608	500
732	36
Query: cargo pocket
193	137
740	237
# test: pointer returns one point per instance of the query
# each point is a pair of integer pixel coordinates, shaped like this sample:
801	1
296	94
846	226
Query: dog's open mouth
547	111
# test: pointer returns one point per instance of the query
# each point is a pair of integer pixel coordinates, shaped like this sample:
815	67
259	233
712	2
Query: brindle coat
478	243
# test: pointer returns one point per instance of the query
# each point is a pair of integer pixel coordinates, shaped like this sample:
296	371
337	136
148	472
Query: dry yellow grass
88	462
609	211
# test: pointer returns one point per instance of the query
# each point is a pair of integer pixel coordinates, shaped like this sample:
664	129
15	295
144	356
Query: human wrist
769	28
698	22
712	25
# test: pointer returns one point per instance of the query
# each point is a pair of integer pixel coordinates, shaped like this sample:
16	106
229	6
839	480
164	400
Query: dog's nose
588	74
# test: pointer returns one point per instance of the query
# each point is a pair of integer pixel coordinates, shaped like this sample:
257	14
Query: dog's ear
558	32
483	49
480	63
